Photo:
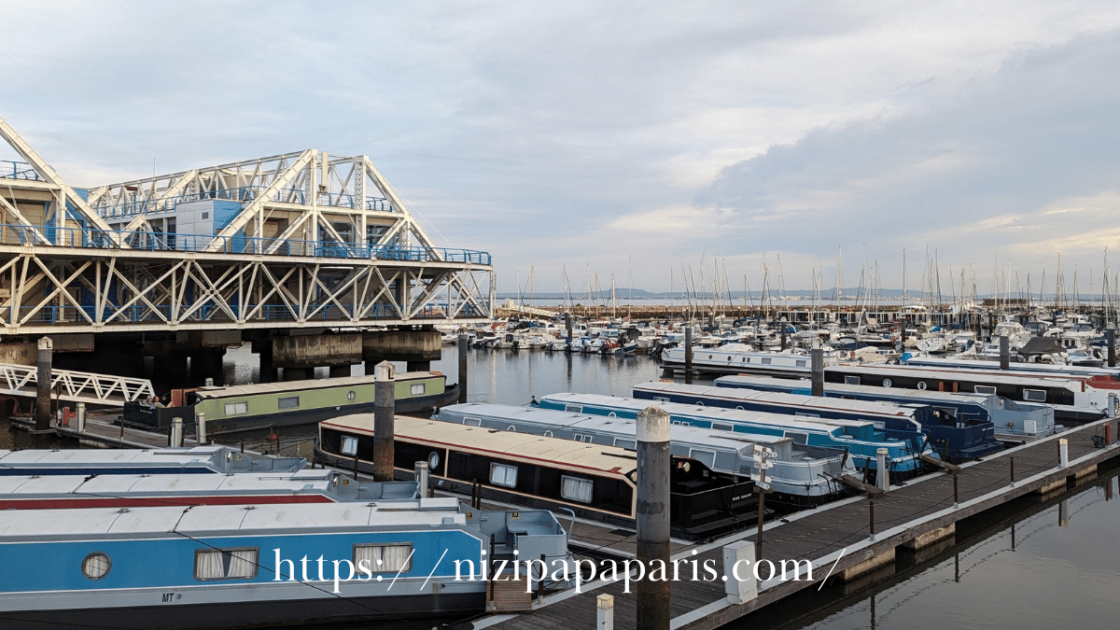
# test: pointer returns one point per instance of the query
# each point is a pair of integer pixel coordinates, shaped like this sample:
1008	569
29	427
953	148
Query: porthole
351	395
887	382
921	384
433	461
96	565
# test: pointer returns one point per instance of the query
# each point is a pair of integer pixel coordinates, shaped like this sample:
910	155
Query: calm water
1031	566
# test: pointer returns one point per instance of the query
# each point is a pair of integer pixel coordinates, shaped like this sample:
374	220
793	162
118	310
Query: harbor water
1033	564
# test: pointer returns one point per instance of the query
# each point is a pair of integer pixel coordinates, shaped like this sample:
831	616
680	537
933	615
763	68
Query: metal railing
242	194
11	169
73	238
137	314
74	386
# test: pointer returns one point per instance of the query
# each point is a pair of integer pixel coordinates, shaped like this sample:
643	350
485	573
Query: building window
394	558
225	564
291	402
96	565
237	409
349	445
503	475
576	489
418	389
1034	395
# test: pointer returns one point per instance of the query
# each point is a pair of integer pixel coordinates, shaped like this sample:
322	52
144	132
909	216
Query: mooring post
956	496
882	471
653	517
782	323
201	428
1063	453
688	353
604	612
43	385
1012	461
568	325
176	432
384	408
81	417
871	514
1004	353
817	363
421	475
1111	336
462	368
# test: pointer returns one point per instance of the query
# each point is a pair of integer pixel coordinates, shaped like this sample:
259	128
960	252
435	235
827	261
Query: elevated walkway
71	386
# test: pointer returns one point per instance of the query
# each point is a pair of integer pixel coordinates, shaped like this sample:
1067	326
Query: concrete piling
882	470
176	433
201	419
1063	453
653	518
81	417
817	360
1004	353
43	385
384	409
462	368
421	475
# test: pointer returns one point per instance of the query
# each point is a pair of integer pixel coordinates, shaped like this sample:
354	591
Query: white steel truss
308	240
73	386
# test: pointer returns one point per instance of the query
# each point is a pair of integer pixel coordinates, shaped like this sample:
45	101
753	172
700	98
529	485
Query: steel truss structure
73	386
310	240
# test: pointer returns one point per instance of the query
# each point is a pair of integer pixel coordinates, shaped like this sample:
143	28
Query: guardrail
11	169
241	194
74	238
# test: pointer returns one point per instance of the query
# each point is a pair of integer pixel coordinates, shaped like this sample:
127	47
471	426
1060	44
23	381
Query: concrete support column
370	367
43	385
817	366
340	371
418	366
384	409
653	518
268	371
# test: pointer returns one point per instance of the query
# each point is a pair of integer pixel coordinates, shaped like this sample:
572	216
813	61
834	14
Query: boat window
767	360
612	415
627	444
573	408
722	426
225	564
418	389
708	458
503	475
349	445
576	489
291	402
473	421
96	565
730	358
236	409
1034	395
798	438
851	380
548	433
394	558
351	395
433	461
985	389
801	363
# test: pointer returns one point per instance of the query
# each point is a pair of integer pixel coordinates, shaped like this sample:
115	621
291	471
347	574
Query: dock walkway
836	538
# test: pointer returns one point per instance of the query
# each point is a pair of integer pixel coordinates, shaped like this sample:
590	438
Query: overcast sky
610	136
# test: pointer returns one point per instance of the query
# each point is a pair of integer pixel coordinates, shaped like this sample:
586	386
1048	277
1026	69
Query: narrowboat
195	460
737	358
236	566
861	438
799	475
291	403
955	439
39	492
1012	420
594	481
1073	399
1020	367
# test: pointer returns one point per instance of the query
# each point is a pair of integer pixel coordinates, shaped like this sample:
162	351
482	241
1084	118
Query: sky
639	139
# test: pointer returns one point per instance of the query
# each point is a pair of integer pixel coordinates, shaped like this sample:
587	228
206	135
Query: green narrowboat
291	403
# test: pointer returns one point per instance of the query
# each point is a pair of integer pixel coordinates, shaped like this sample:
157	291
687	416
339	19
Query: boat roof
623	427
784	399
65	457
1026	369
294	386
710	413
273	519
980	376
507	444
117	485
785	384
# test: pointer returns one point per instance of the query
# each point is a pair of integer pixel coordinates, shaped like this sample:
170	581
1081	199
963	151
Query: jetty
843	540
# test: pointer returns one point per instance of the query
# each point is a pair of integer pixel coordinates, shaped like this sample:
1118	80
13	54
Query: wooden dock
837	539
